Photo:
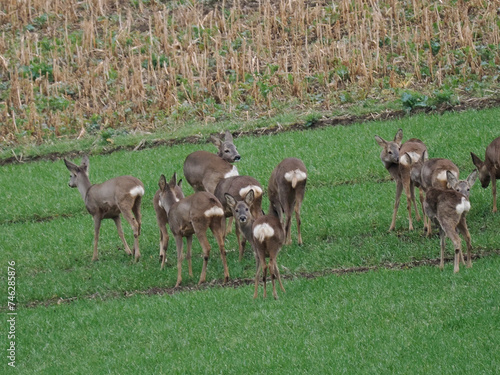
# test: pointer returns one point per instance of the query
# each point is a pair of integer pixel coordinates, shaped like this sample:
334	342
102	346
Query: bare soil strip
236	283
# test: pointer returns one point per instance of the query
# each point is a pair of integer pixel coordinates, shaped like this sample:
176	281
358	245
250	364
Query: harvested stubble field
110	67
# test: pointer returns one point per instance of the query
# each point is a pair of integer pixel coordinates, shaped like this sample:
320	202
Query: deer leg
202	238
241	240
136	227
97	226
494	190
163	245
462	227
298	204
264	274
409	201
218	231
189	246
179	245
442	240
257	261
119	228
414	200
230	224
399	190
272	270
288	226
451	232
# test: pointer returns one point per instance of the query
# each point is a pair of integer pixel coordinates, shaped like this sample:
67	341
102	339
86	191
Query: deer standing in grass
193	215
203	170
286	189
239	187
432	173
400	170
489	169
162	220
120	195
448	208
265	233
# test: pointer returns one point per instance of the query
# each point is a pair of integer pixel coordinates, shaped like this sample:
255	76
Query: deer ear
84	165
72	167
249	198
398	137
452	180
472	178
216	141
477	162
228	137
173	180
231	202
162	183
381	142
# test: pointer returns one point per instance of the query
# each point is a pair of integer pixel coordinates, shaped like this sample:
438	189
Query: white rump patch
414	158
138	190
214	211
464	206
295	176
256	189
263	231
232	172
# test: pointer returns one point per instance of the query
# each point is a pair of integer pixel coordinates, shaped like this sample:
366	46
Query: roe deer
107	200
448	208
489	169
238	187
400	170
193	215
286	189
203	170
431	173
265	233
162	221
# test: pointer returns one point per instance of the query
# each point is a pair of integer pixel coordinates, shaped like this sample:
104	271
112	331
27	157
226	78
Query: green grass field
419	320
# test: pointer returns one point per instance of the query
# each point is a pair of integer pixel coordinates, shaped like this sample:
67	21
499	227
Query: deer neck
83	186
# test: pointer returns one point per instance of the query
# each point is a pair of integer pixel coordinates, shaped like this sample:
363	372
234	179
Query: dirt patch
346	120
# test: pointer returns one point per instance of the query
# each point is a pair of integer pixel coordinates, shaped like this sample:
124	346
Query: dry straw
63	63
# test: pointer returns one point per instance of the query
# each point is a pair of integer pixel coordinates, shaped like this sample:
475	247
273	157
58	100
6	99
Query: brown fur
187	217
489	169
107	201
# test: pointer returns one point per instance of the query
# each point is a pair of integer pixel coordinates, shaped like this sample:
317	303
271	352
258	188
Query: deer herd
220	193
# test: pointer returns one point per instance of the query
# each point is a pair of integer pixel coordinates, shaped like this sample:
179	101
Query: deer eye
390	152
226	151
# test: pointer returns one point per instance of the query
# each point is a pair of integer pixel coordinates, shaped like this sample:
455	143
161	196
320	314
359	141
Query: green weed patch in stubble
385	321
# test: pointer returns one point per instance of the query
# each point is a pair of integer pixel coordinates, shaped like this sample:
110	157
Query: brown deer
432	173
448	208
265	233
203	170
162	221
120	195
400	170
238	187
286	189
193	215
489	169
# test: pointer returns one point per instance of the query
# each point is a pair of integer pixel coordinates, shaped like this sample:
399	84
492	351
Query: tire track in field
240	282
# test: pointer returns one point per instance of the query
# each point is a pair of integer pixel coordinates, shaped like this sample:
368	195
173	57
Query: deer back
433	173
289	175
203	170
239	187
107	196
